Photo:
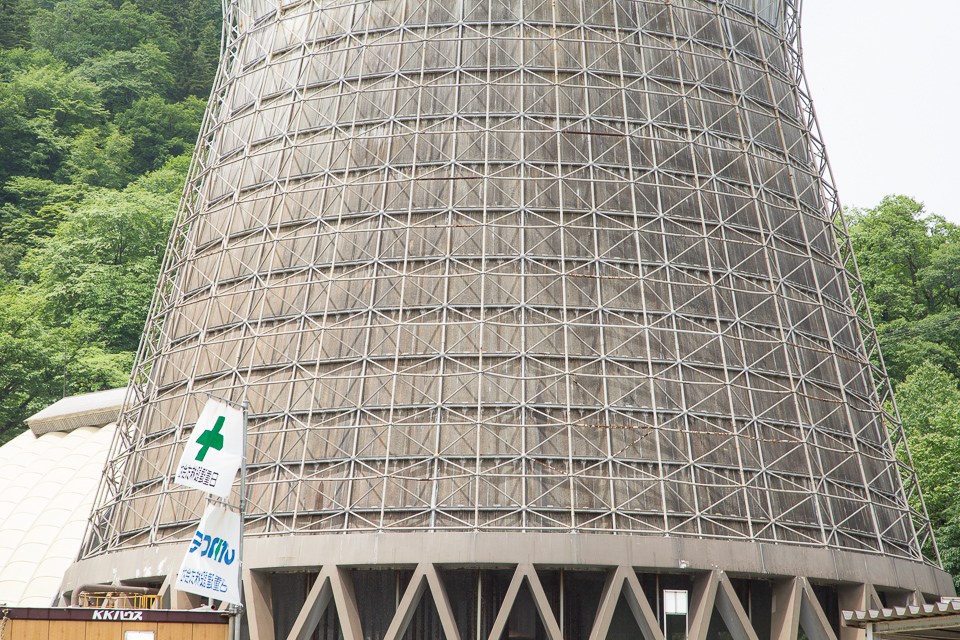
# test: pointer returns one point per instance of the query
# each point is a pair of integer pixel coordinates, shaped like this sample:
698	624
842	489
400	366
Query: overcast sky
885	80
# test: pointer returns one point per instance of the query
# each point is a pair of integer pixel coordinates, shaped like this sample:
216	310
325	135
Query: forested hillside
100	105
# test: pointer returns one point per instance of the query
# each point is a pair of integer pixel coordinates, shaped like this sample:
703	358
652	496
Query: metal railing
117	600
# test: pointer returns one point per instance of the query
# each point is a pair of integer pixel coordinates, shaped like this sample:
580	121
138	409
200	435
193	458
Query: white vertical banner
214	452
212	565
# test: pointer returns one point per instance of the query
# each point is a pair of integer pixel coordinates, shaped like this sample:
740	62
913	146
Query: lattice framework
518	266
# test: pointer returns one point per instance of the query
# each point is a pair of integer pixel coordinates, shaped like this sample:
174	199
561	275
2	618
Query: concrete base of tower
488	586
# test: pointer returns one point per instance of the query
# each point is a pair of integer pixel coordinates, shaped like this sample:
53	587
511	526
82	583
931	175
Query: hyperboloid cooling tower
548	326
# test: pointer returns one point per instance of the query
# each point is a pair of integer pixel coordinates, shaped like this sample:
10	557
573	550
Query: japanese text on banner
211	566
213	454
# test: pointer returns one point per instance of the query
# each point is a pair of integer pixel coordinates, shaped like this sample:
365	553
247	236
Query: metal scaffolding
523	266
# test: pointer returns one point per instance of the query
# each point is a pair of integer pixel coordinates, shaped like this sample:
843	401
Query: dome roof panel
47	487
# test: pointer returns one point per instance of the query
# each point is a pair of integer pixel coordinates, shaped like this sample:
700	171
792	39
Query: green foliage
52	92
101	159
904	254
38	363
101	264
27	354
14	61
906	345
196	49
94	95
78	30
41	110
126	76
34	208
909	262
160	130
74	322
15	18
929	404
942	273
34	193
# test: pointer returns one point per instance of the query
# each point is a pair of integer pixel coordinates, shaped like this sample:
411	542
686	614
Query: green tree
929	404
101	265
942	273
34	208
32	212
895	244
38	365
15	61
27	362
908	262
41	110
101	159
196	49
126	76
75	30
160	130
15	16
906	345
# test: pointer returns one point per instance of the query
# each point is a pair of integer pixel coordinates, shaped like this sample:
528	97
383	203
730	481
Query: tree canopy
74	306
909	262
929	404
100	105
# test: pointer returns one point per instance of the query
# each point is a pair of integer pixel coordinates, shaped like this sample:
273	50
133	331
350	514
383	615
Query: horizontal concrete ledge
309	552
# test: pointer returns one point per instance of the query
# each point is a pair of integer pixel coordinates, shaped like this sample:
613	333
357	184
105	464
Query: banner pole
243	510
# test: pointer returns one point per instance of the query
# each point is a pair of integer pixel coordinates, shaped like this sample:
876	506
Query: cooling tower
548	324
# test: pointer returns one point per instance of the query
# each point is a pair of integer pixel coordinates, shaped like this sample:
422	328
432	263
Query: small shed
79	623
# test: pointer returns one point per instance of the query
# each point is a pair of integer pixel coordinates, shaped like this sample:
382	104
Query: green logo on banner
211	439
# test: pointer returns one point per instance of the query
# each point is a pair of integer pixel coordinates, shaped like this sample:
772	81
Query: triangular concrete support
528	573
795	607
732	611
624	580
258	595
785	621
165	592
917	599
425	575
334	584
700	608
172	598
812	619
858	597
714	591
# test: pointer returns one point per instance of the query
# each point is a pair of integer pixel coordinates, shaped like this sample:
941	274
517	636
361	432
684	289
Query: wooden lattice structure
518	266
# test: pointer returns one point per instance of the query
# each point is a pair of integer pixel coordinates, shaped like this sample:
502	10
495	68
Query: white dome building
48	481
